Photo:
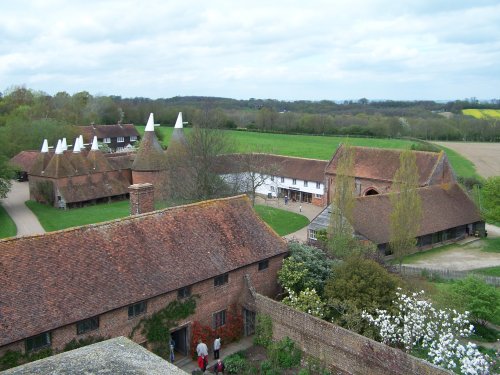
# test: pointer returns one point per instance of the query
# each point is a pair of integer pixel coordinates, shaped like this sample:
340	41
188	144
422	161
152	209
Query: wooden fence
447	274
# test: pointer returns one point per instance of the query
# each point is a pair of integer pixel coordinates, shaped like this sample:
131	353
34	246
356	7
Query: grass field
491	271
482	113
283	222
52	219
317	147
7	226
492	245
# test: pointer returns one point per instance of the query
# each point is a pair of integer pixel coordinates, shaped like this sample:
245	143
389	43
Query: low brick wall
343	351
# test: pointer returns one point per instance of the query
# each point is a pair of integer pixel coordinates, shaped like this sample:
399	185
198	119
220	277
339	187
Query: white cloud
285	50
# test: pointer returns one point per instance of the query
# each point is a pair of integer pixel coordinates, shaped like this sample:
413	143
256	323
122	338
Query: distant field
485	157
482	113
317	147
7	226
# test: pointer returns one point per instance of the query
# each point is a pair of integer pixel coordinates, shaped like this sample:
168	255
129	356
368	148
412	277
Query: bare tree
191	173
257	169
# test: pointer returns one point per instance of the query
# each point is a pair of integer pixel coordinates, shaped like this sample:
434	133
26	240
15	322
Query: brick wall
342	351
212	299
141	198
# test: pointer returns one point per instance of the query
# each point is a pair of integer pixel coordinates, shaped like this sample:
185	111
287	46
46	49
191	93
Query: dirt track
485	156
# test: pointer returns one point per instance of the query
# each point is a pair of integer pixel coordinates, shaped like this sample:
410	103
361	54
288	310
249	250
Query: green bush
263	331
285	353
267	368
235	363
477	297
10	359
75	344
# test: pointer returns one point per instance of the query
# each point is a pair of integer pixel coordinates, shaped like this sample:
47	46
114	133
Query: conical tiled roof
59	166
178	142
41	161
150	156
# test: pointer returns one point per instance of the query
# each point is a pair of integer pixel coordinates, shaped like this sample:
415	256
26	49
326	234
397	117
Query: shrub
285	354
263	331
10	359
75	344
235	363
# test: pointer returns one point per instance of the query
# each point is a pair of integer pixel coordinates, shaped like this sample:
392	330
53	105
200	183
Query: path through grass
7	226
282	221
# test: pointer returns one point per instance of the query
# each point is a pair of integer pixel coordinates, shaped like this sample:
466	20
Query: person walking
217	345
202	351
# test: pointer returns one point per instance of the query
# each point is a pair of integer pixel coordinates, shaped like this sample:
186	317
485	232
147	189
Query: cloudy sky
419	49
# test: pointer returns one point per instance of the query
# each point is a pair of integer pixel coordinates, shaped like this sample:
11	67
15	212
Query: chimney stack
141	198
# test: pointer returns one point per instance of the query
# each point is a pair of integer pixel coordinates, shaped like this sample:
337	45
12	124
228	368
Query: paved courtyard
26	222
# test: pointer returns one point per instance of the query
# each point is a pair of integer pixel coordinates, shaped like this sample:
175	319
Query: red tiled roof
25	159
50	280
381	164
443	207
287	166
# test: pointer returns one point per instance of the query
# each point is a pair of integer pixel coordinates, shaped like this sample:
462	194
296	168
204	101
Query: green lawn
283	222
55	219
492	245
317	147
491	271
7	226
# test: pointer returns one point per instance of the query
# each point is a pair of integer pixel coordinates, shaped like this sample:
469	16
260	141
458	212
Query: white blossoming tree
306	300
417	324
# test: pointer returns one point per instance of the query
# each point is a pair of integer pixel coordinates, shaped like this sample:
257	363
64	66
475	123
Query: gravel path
26	222
461	258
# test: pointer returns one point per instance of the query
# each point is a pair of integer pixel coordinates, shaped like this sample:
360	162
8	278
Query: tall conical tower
178	142
150	163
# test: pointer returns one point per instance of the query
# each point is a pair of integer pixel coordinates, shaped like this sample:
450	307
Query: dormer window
133	138
107	140
120	139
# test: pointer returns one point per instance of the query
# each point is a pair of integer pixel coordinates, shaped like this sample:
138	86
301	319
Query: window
272	188
294	181
137	309
133	138
282	179
120	149
38	342
319	196
272	178
184	292
312	234
306	183
221	280
120	139
263	265
318	185
107	140
87	325
219	319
